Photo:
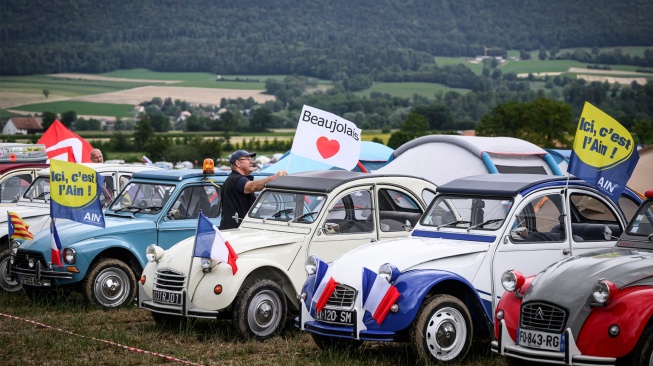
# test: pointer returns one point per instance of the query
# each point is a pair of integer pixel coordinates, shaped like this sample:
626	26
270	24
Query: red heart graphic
327	148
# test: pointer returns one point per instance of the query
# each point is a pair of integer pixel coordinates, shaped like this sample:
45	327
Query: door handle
373	240
566	251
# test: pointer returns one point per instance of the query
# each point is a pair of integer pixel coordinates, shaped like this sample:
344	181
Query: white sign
325	137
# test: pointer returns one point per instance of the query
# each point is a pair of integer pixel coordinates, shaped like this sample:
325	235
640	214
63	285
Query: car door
398	212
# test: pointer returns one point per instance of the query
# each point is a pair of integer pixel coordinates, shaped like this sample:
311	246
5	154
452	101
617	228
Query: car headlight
69	255
154	252
311	265
603	291
512	280
14	246
389	272
206	263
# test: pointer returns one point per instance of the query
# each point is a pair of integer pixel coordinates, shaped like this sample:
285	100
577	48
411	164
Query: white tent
442	158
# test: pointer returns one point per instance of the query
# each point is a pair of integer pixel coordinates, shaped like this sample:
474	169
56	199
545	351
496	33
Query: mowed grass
75	333
67	87
407	90
81	108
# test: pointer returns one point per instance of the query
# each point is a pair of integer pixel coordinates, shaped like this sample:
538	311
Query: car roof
100	167
504	185
7	167
181	174
323	181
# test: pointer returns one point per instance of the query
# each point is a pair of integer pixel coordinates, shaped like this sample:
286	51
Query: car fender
631	310
413	287
510	304
249	269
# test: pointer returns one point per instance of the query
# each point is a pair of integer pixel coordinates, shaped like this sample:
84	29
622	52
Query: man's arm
257	185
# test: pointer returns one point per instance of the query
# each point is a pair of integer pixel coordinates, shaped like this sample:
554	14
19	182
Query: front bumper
185	309
38	272
505	346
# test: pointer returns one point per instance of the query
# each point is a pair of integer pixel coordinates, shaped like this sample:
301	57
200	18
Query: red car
591	309
18	166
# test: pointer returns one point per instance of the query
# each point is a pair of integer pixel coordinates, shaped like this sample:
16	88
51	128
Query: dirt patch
579	70
108	78
612	79
539	74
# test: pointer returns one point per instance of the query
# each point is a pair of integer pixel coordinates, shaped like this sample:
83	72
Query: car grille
543	316
22	256
166	279
343	297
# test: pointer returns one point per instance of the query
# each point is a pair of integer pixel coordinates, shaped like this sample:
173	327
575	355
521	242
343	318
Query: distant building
23	126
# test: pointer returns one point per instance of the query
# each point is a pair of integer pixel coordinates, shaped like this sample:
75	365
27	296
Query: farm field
407	90
70	332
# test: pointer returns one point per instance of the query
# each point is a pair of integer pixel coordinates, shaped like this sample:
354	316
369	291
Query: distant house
139	109
23	126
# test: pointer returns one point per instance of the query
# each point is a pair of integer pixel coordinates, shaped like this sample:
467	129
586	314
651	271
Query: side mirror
331	228
408	226
607	233
519	233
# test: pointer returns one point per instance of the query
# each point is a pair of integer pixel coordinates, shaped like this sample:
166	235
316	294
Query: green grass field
82	108
407	90
63	86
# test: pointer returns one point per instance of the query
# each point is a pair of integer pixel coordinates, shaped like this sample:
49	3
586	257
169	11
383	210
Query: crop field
82	108
407	90
68	331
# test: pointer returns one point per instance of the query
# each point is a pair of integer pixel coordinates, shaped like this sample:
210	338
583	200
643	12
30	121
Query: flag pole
192	258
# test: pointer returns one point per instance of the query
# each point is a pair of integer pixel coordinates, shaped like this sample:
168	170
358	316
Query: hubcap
446	333
6	283
263	313
111	287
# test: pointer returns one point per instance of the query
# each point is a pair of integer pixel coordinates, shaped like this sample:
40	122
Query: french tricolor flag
324	285
378	295
55	243
209	243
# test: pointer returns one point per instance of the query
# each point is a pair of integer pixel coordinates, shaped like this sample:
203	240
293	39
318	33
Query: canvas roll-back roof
322	181
502	185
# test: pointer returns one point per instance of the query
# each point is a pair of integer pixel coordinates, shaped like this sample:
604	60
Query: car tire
642	354
110	284
260	310
326	343
170	321
443	330
7	284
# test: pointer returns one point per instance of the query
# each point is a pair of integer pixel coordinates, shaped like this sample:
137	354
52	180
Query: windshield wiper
278	214
484	223
132	209
453	223
305	216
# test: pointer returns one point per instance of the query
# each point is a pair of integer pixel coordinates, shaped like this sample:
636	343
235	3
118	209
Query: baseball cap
239	154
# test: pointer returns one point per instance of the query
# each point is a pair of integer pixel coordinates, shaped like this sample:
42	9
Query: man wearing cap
237	194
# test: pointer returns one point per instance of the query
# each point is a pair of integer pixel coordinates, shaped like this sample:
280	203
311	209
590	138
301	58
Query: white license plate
28	280
336	316
541	340
166	297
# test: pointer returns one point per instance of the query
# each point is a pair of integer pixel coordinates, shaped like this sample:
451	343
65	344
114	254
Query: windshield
142	198
642	223
467	212
39	190
288	206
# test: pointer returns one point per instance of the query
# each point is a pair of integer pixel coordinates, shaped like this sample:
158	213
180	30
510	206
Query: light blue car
160	206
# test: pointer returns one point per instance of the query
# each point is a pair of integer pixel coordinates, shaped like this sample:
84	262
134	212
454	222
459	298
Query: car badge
539	314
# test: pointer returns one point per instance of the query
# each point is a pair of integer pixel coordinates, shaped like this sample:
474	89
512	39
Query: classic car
19	164
446	274
33	207
156	206
591	309
320	212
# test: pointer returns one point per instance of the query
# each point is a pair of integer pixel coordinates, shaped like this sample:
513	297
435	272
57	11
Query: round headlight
310	265
206	263
603	291
389	272
14	246
512	280
69	255
153	252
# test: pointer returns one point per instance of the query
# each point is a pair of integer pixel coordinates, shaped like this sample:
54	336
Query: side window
122	181
592	219
189	203
538	221
12	188
350	214
628	206
397	211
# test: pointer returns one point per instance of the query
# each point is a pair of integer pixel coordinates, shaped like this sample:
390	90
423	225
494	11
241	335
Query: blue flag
604	152
75	193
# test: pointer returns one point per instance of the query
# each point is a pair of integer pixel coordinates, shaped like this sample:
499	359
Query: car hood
71	232
569	283
409	253
23	211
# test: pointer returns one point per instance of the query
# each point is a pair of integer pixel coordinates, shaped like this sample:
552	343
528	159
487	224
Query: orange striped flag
18	229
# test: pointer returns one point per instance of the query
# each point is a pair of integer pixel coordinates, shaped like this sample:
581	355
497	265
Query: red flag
63	144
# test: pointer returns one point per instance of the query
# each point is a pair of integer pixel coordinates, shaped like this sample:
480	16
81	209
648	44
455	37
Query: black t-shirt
235	200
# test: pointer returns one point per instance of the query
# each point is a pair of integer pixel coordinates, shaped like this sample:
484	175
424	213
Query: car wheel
334	343
260	310
170	321
442	331
6	283
110	283
642	354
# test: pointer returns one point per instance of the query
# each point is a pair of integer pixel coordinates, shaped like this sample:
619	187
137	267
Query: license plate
336	316
28	280
166	297
541	340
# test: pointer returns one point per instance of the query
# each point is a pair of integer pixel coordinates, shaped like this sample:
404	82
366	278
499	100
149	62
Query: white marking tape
133	349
